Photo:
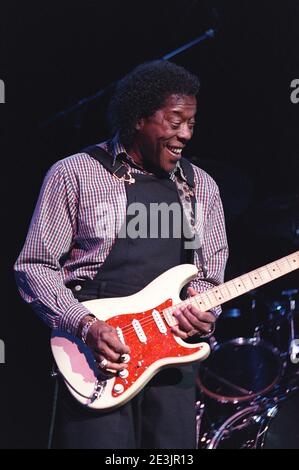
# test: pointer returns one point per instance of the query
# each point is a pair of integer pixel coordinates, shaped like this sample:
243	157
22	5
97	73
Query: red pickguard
158	345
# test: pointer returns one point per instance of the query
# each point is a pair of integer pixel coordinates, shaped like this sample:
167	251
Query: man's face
161	137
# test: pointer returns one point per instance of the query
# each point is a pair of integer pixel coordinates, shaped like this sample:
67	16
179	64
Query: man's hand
192	321
104	343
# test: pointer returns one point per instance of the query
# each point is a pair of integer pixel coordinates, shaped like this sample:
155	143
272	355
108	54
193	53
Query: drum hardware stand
241	390
254	315
294	342
225	430
200	408
54	373
213	342
257	333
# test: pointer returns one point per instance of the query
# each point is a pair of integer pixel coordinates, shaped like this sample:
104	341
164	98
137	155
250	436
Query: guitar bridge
99	388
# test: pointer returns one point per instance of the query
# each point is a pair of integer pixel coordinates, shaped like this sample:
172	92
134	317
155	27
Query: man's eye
175	125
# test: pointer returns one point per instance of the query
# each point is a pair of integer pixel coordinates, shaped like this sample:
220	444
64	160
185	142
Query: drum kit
248	389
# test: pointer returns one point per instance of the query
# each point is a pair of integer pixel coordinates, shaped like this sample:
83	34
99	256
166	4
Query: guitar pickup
159	321
120	335
139	331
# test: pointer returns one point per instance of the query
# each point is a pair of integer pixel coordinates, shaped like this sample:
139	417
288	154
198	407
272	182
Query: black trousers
161	416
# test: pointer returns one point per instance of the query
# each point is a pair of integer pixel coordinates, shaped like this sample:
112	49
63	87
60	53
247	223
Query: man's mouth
174	151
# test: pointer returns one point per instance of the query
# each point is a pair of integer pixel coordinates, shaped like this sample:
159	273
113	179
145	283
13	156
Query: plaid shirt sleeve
38	271
214	242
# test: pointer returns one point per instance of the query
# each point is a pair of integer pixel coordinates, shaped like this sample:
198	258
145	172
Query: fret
216	295
274	270
246	282
249	283
254	279
169	318
295	259
239	286
284	267
199	302
279	268
188	301
258	277
265	275
194	302
219	297
228	285
207	302
225	292
291	260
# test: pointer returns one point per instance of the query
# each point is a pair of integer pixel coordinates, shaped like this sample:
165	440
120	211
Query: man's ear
139	124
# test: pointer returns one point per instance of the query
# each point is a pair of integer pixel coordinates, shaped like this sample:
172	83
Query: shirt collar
116	148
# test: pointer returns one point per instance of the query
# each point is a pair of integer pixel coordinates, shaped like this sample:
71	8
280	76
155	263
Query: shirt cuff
71	319
216	311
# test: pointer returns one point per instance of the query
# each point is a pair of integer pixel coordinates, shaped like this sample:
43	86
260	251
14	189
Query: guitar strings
148	318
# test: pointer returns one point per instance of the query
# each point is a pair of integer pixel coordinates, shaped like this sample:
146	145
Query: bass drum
271	426
239	370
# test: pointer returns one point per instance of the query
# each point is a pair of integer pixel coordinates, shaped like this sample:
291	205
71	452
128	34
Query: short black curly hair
143	91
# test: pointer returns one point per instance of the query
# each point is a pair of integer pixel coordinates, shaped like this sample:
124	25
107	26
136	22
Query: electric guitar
143	321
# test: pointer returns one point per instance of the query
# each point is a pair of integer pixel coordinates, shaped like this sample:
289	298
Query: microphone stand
210	33
294	342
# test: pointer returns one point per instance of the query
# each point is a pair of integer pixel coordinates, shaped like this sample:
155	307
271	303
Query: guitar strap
185	189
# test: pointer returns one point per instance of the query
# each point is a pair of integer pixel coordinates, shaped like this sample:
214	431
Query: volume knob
118	388
123	373
125	358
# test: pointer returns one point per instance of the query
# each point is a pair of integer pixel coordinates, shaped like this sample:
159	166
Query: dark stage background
55	53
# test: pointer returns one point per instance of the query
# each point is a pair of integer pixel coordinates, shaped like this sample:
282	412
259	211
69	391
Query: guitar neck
238	286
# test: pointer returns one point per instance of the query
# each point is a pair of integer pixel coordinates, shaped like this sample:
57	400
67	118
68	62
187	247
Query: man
70	255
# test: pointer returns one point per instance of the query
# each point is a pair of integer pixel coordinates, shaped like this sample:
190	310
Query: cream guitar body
143	321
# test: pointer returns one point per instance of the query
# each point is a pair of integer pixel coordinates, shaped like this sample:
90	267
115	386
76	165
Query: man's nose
184	132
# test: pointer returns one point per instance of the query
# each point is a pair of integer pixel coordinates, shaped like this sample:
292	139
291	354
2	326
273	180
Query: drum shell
265	425
239	371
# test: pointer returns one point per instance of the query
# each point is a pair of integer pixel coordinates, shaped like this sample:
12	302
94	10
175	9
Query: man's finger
183	320
114	343
176	331
104	363
192	291
206	317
